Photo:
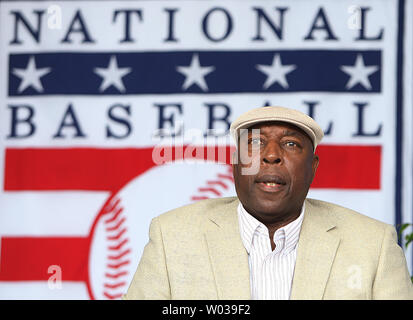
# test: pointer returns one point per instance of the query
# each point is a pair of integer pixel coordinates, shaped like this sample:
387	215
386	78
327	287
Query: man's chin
270	210
273	211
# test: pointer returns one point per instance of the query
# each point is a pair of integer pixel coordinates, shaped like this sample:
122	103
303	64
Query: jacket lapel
316	250
229	259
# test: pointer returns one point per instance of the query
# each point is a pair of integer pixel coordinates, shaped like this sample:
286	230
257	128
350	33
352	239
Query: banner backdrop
112	113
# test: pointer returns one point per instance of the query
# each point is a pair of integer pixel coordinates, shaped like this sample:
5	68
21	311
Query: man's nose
272	154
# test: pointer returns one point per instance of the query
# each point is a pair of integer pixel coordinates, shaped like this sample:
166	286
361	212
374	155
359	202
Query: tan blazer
196	252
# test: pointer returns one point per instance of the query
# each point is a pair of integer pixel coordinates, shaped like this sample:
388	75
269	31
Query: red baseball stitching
215	187
116	275
118	251
120	255
117	237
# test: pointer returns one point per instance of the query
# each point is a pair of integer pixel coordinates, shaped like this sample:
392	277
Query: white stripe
150	32
49	213
35	290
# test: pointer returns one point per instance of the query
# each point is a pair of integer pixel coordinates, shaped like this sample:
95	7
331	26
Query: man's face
286	165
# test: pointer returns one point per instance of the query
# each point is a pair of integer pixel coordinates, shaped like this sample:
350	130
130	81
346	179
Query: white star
31	76
195	74
359	73
112	75
276	72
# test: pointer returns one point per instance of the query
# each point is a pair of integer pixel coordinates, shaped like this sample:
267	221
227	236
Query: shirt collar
249	226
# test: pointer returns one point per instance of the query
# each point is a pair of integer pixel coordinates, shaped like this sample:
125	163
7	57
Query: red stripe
82	168
29	258
348	167
341	167
74	168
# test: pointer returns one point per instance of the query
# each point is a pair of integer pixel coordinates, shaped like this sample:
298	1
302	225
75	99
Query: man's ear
314	165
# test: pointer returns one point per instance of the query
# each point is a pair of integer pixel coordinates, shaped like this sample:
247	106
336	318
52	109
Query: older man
271	242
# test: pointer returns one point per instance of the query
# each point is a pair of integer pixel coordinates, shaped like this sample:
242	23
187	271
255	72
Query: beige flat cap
264	114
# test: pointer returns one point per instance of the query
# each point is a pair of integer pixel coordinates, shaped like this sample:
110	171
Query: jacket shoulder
195	213
346	218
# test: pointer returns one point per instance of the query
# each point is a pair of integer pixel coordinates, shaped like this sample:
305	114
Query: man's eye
255	141
291	144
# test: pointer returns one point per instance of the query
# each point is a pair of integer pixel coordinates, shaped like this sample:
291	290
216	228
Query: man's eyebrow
293	133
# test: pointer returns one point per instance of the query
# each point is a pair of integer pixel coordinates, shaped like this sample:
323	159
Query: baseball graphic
121	228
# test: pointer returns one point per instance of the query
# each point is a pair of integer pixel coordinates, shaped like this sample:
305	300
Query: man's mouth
271	182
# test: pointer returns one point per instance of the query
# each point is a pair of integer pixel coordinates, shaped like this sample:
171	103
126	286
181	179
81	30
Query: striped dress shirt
271	272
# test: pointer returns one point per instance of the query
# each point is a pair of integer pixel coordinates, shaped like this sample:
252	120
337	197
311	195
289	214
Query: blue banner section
194	72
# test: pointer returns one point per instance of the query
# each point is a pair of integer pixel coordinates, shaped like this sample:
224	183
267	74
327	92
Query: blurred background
113	112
